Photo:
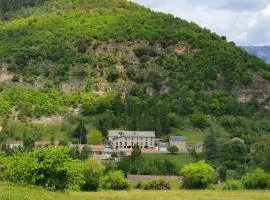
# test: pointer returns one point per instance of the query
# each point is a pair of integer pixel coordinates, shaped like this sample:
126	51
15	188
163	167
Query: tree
136	153
115	180
86	151
211	150
80	132
199	121
259	179
198	175
173	149
233	155
92	172
28	143
50	168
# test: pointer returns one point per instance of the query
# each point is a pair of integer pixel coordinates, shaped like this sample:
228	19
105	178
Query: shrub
50	168
198	175
233	185
141	184
158	184
259	179
266	76
173	149
92	172
115	180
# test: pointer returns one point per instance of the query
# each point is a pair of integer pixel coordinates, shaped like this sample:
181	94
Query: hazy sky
246	22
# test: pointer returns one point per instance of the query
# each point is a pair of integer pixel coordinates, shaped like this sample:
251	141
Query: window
116	143
120	143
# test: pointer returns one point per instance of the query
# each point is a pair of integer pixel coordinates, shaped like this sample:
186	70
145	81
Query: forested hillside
117	65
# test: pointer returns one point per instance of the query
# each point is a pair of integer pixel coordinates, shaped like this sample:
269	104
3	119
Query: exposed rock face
150	91
258	90
123	88
4	77
49	120
101	88
164	90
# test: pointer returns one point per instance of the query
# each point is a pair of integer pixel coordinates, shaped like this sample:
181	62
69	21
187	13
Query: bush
156	184
115	180
92	172
141	184
50	168
198	175
259	179
173	149
233	185
266	76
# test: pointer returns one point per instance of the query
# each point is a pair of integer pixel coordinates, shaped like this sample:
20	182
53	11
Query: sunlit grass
8	192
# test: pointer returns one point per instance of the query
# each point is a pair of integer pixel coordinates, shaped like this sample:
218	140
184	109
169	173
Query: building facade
180	142
125	140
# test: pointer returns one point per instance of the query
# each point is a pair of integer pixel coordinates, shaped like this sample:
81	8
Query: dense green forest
115	64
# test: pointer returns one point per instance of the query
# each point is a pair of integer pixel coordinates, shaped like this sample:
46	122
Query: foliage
115	180
211	149
94	137
137	164
233	185
173	149
197	175
81	154
51	168
156	184
92	171
80	133
256	180
234	154
199	121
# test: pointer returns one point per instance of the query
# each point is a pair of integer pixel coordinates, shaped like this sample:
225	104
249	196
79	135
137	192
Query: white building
163	147
125	140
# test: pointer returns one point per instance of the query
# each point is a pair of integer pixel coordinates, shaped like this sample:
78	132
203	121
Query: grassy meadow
8	192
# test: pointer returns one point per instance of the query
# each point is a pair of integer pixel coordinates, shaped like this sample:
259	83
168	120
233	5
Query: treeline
54	169
13	5
136	164
233	158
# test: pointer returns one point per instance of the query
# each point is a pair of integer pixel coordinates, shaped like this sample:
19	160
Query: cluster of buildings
120	140
124	141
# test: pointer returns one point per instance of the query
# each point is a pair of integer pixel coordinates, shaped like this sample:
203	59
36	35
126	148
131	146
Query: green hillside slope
116	64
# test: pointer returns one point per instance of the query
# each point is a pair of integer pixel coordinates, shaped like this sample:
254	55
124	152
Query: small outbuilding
180	142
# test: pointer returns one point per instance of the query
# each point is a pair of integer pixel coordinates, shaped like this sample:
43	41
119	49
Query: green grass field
26	193
179	159
193	136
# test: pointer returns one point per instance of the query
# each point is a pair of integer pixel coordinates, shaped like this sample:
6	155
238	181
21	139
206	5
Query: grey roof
178	138
200	144
119	133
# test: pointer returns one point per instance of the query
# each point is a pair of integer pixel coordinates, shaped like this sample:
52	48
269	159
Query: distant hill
262	52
